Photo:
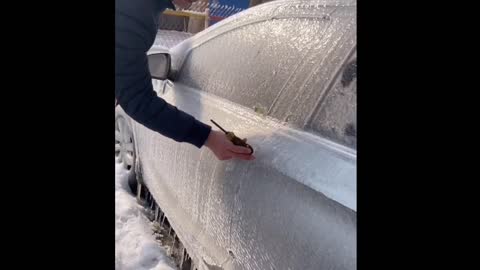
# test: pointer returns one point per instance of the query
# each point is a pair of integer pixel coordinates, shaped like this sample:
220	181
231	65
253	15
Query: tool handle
219	126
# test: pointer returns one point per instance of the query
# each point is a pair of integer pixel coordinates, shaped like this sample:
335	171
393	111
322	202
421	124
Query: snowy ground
135	244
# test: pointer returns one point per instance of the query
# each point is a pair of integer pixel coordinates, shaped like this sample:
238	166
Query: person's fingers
242	156
225	157
239	149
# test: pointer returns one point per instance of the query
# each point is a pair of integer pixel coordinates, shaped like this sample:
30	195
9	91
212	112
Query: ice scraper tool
234	139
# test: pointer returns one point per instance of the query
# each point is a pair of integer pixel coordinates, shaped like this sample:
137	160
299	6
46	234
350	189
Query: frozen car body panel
292	208
255	209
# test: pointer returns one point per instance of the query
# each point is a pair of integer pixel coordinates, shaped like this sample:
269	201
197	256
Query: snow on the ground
135	245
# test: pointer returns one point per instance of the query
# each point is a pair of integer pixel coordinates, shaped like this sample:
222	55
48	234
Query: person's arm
135	94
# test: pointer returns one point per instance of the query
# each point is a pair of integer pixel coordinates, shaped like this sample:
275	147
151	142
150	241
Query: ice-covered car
283	75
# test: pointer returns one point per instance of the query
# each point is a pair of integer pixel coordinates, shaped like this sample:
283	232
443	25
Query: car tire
125	147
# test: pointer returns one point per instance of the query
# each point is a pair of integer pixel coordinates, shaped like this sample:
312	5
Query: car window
336	116
251	64
297	99
291	69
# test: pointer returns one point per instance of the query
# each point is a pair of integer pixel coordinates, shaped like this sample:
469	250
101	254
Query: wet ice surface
295	206
135	244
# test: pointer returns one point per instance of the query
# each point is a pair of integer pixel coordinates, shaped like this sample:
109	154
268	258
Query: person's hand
224	149
183	3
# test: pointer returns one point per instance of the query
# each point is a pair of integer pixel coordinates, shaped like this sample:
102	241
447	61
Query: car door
264	81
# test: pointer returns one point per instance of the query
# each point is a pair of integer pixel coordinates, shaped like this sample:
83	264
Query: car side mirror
159	65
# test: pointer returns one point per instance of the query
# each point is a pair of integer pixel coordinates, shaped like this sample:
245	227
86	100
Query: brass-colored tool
234	139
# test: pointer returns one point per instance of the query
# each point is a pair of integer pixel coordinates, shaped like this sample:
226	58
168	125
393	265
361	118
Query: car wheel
125	149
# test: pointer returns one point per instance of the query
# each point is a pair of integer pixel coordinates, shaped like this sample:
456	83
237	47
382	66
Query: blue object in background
226	8
237	3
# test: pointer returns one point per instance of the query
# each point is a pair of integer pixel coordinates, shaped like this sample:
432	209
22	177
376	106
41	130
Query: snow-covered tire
125	147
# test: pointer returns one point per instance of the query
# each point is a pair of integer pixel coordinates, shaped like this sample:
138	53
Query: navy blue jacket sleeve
135	31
